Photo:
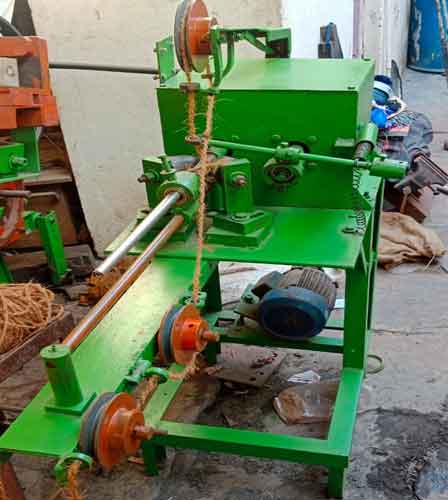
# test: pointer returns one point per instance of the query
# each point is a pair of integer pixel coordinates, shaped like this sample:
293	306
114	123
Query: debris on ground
405	240
248	365
308	377
312	403
306	404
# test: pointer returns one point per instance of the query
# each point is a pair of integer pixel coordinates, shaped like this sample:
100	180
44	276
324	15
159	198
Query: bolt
194	140
10	71
20	161
210	336
248	299
239	181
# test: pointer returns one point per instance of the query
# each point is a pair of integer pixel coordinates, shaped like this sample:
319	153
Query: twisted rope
71	491
25	309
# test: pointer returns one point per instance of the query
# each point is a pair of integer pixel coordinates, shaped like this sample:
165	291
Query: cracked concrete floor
404	424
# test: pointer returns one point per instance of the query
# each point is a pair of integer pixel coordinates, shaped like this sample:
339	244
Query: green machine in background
294	178
26	105
19	160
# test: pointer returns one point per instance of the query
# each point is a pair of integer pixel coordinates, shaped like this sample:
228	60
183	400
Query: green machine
27	104
285	172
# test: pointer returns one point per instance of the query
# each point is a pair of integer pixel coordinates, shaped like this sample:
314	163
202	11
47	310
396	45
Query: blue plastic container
425	48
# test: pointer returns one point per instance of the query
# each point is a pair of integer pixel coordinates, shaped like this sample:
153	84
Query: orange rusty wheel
182	334
120	430
191	34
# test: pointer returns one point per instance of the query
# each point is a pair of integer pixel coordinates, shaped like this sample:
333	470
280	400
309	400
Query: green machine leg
50	234
336	482
153	455
5	274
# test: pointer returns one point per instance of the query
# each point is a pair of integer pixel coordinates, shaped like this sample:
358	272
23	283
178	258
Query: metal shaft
140	232
137	70
97	313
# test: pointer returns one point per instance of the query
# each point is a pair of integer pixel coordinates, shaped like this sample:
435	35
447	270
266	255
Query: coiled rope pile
25	309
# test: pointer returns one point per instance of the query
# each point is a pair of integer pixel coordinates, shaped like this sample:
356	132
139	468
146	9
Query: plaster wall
307	16
386	27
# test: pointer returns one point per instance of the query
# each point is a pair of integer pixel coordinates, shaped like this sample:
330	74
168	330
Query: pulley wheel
182	334
116	434
113	429
90	422
191	35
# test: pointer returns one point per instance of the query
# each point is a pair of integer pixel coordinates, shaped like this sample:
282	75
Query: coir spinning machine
267	160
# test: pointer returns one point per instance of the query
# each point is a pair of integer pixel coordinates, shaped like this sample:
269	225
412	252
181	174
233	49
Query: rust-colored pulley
192	35
113	429
183	333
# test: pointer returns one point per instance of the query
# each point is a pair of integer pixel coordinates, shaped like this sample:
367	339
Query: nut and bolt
239	181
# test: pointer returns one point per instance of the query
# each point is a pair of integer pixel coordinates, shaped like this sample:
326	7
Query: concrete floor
401	438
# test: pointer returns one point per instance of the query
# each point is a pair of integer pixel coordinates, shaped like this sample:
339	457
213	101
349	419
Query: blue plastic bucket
425	48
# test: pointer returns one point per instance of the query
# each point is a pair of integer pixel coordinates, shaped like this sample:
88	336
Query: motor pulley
192	35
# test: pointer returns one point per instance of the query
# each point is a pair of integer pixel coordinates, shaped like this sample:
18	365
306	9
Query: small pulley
113	429
192	35
183	333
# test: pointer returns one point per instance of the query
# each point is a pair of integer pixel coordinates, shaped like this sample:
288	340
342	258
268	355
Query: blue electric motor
295	305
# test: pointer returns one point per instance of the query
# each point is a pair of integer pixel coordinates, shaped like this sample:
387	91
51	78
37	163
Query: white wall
110	121
307	16
386	32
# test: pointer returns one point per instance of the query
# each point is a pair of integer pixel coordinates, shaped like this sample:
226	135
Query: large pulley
183	333
113	429
192	35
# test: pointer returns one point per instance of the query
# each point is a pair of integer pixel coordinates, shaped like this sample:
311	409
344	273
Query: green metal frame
52	243
19	161
314	113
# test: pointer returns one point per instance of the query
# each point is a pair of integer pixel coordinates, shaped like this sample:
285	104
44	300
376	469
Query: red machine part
191	34
120	430
12	225
187	334
32	104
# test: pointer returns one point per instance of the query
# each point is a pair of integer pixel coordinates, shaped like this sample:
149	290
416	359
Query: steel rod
303	156
140	232
138	70
99	311
14	193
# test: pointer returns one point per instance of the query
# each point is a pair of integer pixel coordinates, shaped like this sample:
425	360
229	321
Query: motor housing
295	305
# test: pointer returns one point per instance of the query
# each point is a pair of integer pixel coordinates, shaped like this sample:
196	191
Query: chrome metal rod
142	70
99	311
140	232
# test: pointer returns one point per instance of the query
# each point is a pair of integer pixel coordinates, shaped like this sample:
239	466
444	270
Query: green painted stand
352	344
51	239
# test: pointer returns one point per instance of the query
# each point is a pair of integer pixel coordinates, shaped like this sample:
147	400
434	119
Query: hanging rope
203	172
71	491
25	309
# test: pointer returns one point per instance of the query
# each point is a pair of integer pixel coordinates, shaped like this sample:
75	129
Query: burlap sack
405	240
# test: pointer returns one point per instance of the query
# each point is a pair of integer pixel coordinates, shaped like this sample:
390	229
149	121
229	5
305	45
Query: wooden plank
14	359
26	265
58	175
